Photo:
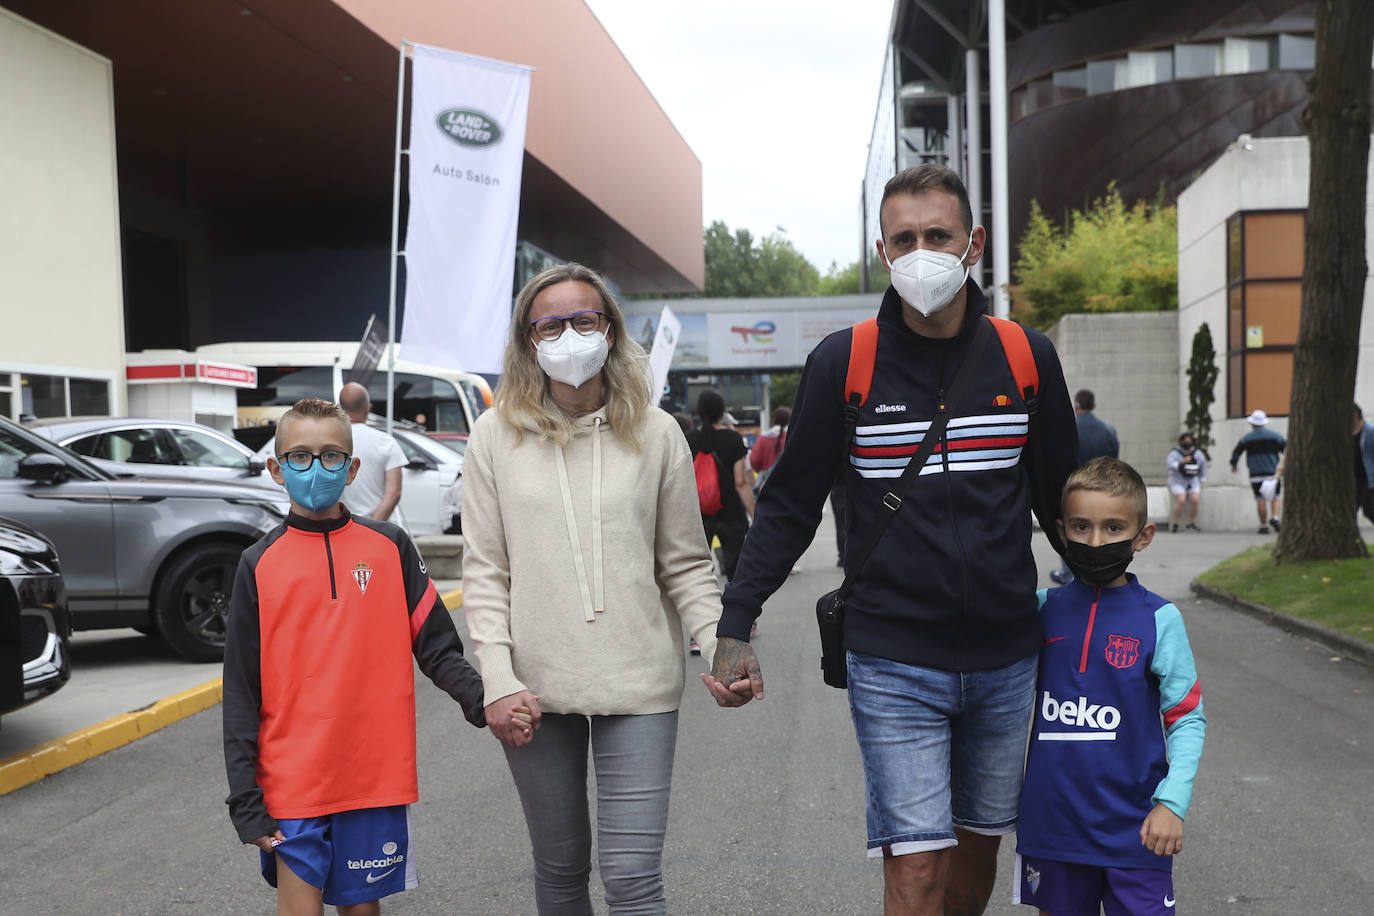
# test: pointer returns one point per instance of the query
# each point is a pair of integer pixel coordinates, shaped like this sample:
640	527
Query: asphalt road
767	813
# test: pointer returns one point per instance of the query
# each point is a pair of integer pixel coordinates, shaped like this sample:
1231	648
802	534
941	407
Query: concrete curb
32	765
46	759
1357	649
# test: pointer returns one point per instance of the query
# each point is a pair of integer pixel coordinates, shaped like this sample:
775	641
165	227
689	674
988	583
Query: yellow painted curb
46	759
453	599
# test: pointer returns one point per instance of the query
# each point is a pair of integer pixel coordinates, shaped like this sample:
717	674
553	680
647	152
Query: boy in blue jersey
1107	785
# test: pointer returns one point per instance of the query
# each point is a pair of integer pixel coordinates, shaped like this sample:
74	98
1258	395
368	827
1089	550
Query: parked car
456	441
155	554
428	483
126	446
35	659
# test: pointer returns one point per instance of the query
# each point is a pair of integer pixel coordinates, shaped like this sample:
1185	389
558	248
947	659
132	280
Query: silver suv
157	555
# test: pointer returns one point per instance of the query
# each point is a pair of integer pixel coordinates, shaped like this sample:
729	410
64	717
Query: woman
584	556
1187	472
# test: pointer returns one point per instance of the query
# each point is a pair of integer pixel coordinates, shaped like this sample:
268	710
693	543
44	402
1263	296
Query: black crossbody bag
830	607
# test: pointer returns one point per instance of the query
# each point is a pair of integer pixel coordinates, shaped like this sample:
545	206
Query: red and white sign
203	371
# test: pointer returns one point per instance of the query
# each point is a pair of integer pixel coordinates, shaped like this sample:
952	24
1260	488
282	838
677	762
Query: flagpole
395	241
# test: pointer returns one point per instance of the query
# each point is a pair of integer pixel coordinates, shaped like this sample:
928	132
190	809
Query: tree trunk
1319	483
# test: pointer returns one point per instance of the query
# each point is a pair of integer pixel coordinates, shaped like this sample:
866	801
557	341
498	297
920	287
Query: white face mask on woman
928	280
573	358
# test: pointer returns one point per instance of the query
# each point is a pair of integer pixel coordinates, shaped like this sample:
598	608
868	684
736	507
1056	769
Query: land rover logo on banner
470	128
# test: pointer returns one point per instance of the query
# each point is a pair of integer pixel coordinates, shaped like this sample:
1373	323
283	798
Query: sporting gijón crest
1122	651
362	574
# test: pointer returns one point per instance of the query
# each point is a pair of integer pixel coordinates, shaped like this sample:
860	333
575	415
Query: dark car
158	555
34	626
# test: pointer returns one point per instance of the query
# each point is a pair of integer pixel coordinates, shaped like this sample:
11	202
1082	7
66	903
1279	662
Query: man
943	618
376	489
1364	465
1262	448
1096	438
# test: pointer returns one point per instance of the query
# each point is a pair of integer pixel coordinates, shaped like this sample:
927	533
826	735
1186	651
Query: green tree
841	281
1108	258
1202	385
782	388
1319	521
737	265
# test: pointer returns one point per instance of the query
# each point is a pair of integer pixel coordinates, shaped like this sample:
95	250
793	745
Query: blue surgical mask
316	489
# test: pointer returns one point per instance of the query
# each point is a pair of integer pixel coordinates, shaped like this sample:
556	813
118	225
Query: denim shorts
939	748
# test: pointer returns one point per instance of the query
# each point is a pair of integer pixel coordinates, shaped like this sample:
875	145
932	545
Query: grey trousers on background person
633	758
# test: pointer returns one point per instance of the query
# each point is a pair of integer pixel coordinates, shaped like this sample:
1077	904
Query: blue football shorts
351	856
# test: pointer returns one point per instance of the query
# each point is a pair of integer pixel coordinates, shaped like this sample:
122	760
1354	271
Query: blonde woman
584	556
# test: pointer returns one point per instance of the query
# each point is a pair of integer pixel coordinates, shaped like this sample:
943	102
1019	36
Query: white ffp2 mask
573	358
928	280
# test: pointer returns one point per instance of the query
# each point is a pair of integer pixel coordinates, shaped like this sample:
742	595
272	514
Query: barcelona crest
1122	651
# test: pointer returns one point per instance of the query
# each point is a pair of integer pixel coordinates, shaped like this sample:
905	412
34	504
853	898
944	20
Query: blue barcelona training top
1118	726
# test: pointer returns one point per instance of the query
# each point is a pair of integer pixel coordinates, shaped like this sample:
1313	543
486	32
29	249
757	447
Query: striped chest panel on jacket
978	442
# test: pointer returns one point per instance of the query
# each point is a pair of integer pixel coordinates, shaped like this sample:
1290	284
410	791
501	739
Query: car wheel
193	601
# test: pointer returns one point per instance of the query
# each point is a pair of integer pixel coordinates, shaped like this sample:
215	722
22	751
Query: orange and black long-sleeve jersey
319	688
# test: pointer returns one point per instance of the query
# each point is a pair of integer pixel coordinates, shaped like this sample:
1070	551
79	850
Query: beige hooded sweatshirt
582	562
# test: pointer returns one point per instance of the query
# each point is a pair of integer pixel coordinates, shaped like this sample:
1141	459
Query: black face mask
1186	446
1096	566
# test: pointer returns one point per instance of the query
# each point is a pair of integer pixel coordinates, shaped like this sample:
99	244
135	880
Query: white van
449	400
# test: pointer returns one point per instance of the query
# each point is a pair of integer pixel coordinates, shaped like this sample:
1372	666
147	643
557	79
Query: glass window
1196	60
90	397
45	396
1102	75
1297	52
1145	68
1075	78
12	450
136	446
202	450
6	404
86	445
1246	55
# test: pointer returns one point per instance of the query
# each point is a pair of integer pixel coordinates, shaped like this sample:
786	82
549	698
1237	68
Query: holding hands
735	677
514	718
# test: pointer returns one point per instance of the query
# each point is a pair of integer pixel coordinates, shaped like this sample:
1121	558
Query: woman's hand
514	718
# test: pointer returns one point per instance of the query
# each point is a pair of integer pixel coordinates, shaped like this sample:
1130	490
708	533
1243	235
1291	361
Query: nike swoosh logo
373	879
1169	902
1055	639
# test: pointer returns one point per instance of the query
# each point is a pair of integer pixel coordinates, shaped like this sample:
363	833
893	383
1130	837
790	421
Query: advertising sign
467	147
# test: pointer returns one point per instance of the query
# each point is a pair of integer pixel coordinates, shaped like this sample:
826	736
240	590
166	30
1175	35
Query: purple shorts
1067	889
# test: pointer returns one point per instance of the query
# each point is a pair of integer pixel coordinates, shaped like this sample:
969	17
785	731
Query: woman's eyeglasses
551	327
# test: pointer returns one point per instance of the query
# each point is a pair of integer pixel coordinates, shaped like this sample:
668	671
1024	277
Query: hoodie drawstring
590	607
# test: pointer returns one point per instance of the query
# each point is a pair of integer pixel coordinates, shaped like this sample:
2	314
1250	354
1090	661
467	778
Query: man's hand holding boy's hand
514	718
271	841
1162	832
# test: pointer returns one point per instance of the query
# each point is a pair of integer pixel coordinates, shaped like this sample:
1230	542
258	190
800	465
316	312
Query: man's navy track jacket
951	585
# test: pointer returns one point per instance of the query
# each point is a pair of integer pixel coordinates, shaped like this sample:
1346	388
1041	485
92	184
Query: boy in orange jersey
319	705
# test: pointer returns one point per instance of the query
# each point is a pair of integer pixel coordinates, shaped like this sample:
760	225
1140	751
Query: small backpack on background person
708	476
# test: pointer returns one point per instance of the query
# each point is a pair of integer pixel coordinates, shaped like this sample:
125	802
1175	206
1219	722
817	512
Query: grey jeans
633	756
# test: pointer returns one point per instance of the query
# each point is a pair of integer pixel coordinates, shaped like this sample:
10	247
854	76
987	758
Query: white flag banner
661	356
467	147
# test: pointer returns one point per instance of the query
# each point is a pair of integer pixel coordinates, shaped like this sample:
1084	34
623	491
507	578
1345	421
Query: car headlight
12	564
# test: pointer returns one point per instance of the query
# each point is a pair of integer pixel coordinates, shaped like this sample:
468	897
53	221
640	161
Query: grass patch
1336	593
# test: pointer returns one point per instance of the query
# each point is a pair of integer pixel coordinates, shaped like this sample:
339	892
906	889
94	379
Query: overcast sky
775	97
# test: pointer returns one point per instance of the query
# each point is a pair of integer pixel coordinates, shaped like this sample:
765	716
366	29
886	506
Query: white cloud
775	98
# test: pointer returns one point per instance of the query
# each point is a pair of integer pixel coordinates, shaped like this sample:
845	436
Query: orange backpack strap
1019	357
863	353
